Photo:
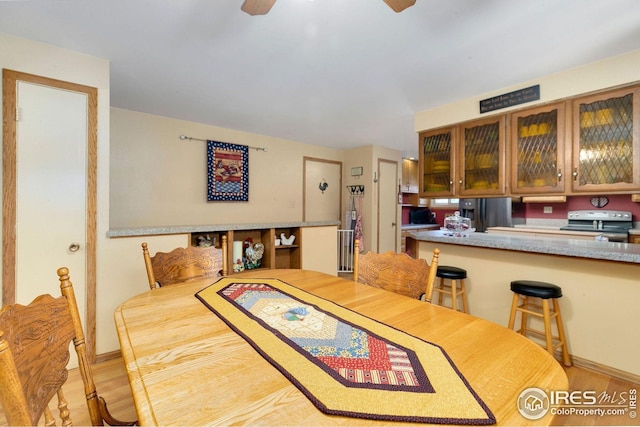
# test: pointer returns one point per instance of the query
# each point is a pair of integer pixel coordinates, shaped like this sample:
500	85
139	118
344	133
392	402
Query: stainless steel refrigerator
487	212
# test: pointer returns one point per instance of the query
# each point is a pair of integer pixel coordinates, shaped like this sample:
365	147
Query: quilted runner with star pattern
346	363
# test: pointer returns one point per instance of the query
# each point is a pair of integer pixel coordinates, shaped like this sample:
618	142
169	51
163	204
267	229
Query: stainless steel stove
614	225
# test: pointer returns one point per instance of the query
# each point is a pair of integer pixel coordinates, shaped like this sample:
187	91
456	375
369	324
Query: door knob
73	247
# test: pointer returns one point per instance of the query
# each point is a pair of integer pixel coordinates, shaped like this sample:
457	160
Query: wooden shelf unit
288	256
282	256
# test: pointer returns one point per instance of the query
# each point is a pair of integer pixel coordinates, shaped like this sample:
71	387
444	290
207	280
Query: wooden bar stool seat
523	290
452	283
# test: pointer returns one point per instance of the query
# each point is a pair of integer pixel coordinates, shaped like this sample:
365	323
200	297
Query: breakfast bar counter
591	249
599	281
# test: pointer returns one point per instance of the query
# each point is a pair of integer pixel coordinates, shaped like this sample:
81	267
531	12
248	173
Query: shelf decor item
287	240
227	172
238	263
253	254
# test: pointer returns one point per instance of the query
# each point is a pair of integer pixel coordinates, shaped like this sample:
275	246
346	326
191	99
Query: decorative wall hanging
227	172
599	201
323	185
356	190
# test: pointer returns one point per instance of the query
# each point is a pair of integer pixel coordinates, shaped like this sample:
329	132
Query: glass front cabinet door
606	146
437	150
538	138
482	157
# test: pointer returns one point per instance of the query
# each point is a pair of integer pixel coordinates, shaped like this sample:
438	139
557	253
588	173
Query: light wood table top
186	367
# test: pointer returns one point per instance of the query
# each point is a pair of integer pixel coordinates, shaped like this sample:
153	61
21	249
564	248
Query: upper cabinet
437	161
482	157
588	144
537	160
606	141
464	160
409	176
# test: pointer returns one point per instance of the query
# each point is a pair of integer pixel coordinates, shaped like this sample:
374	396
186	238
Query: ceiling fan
262	7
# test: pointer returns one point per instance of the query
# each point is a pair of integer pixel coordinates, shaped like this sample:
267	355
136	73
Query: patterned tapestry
227	172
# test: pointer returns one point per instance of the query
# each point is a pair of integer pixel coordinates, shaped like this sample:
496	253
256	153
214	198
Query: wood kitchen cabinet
409	176
581	145
482	157
409	187
464	160
437	163
538	138
606	141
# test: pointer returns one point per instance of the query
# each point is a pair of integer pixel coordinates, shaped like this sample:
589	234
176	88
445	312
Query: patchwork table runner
345	363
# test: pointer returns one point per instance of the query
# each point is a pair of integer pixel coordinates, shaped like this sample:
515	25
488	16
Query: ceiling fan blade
257	7
399	5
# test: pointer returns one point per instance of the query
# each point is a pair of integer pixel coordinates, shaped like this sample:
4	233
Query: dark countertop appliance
421	216
487	212
614	225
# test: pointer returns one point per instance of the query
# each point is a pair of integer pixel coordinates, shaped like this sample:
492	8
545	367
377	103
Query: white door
387	205
49	191
51	135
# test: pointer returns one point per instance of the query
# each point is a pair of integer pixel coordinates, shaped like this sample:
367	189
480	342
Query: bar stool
455	275
523	290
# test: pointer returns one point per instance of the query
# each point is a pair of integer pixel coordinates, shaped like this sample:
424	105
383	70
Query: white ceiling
338	73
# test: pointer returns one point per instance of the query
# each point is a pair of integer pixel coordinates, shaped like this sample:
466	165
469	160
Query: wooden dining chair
182	264
34	352
396	272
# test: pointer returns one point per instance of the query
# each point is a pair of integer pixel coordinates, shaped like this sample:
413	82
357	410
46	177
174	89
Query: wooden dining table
187	367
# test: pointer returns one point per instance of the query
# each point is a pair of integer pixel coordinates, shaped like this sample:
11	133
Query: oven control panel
600	215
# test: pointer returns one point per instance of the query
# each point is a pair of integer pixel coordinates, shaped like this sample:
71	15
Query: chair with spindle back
182	264
34	352
396	272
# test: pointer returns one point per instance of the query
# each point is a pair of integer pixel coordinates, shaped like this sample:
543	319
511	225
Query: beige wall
610	72
159	179
368	157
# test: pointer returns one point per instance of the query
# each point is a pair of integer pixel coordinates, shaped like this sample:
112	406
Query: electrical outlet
548	209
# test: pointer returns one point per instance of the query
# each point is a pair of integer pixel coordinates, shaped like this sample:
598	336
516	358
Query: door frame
9	99
395	215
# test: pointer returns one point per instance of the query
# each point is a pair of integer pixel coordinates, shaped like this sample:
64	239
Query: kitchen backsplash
532	214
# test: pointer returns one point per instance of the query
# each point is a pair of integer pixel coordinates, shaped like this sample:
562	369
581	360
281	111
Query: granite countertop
544	230
418	226
185	229
591	249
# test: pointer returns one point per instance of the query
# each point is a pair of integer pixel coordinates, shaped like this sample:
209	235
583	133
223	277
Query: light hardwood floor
112	384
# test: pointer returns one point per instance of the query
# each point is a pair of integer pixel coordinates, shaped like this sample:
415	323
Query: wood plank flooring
111	381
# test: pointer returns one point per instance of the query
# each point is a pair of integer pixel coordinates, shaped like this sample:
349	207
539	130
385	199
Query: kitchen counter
211	228
599	281
546	232
405	229
591	249
410	227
